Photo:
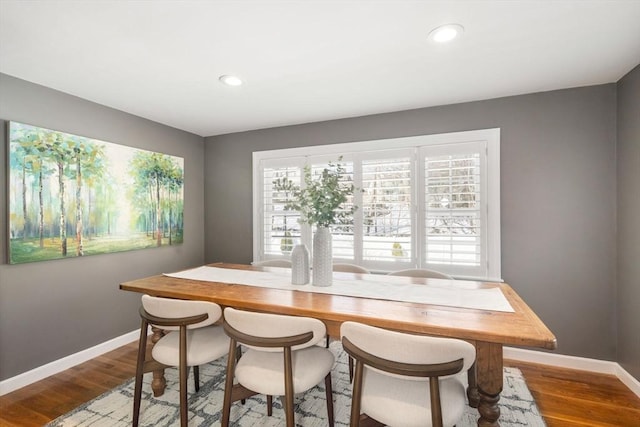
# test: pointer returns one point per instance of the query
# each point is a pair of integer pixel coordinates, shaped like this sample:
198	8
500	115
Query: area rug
114	408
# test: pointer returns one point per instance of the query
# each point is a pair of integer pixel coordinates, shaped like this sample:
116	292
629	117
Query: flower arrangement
321	201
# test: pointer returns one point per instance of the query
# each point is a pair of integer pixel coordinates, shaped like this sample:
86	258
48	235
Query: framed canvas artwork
73	196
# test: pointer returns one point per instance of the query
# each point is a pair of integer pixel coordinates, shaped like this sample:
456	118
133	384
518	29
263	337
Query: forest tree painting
72	196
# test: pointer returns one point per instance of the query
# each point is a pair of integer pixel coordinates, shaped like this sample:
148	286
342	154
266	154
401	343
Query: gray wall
51	309
628	297
558	180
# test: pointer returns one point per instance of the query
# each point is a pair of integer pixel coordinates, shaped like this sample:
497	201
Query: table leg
489	371
159	383
472	389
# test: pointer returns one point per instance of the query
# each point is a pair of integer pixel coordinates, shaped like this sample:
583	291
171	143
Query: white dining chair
285	263
412	272
406	380
192	340
282	359
350	268
421	272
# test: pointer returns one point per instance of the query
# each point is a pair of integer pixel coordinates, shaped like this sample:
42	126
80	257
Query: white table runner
457	293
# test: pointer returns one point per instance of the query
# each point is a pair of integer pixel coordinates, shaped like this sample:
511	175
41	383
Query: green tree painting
72	196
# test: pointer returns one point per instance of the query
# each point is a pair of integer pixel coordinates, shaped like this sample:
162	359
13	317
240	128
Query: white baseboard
574	362
559	360
628	380
41	372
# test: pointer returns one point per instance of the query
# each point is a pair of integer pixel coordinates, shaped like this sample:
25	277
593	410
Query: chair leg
228	384
288	387
329	392
238	356
269	405
356	395
290	414
137	394
436	406
196	377
184	373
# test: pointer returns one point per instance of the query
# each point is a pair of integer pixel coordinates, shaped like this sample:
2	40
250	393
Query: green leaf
321	201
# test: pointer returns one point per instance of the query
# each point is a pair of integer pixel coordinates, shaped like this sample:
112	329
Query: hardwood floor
566	397
41	402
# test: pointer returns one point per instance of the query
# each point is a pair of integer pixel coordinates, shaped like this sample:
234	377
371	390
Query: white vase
300	265
322	257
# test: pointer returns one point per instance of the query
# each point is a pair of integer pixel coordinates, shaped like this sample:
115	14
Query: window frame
356	152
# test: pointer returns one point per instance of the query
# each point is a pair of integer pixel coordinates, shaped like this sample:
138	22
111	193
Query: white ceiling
306	61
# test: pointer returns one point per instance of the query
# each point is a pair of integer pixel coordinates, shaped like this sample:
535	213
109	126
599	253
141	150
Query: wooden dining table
487	330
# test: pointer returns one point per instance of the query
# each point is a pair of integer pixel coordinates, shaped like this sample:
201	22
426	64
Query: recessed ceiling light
230	80
446	33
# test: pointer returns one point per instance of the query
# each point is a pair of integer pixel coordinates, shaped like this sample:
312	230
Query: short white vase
322	257
300	265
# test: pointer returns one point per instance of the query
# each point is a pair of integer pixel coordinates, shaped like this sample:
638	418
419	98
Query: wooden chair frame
143	365
237	392
431	371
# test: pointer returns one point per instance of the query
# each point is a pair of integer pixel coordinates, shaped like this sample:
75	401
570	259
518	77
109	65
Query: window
386	209
281	227
428	201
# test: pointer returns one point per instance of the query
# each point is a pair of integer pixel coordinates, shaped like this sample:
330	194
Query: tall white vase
300	265
322	257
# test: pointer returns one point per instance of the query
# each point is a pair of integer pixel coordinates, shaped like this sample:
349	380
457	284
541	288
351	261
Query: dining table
489	315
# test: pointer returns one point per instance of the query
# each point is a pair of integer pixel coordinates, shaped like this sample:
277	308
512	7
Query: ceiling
306	61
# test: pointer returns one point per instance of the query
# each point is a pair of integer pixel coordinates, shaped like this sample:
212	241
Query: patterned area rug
114	408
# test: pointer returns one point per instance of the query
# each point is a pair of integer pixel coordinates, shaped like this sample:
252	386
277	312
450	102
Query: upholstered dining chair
421	272
350	268
274	263
192	340
413	272
406	380
281	360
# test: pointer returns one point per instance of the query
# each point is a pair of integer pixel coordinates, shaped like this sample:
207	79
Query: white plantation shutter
430	201
455	208
386	209
280	227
